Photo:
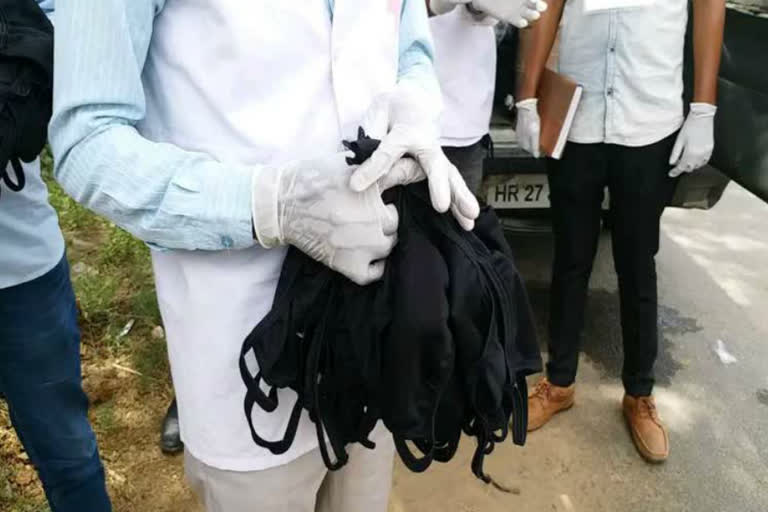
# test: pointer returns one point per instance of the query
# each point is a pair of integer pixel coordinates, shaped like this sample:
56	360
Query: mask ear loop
314	383
18	170
267	402
276	447
426	446
520	411
412	462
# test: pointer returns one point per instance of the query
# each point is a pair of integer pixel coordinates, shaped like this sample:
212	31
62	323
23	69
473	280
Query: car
515	183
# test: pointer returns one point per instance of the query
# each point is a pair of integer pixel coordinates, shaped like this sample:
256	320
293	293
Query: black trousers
640	188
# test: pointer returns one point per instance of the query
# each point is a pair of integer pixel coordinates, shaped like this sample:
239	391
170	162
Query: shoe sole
172	450
562	409
640	447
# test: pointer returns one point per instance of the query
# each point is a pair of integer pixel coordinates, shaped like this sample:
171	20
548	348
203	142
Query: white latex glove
528	128
439	7
413	132
309	205
519	13
696	140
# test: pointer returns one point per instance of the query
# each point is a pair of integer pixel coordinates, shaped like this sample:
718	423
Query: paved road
713	274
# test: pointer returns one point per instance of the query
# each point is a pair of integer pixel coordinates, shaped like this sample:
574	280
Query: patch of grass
144	305
104	417
151	360
123	251
96	294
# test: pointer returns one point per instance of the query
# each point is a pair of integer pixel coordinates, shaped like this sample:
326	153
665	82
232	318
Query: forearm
159	192
708	26
416	68
537	43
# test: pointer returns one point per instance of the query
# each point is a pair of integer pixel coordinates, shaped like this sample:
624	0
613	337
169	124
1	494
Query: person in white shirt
629	135
465	61
213	130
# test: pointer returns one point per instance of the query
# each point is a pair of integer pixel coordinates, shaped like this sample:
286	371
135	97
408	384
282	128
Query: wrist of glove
696	140
310	205
520	13
528	127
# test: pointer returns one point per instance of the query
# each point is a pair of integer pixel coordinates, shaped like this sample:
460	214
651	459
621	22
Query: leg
577	185
289	488
469	161
365	482
640	190
40	375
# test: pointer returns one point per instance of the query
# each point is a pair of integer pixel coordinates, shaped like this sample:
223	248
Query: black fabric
640	188
741	124
26	85
441	345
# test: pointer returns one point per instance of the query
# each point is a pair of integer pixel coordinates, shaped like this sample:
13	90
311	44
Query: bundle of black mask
439	347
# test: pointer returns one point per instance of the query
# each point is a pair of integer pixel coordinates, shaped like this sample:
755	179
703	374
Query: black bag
26	87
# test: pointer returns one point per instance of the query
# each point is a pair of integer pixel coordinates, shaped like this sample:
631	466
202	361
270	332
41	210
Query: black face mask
440	346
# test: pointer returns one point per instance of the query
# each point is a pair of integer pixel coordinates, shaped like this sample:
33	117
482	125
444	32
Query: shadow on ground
602	340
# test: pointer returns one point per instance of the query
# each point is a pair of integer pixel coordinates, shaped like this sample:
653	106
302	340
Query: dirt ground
140	477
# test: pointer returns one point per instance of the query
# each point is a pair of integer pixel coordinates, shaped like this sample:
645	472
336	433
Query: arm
696	140
537	45
708	26
417	52
158	192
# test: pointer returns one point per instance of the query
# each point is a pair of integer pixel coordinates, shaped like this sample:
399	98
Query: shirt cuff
227	205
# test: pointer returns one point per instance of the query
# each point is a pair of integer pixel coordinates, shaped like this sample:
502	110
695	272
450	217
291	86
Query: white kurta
250	83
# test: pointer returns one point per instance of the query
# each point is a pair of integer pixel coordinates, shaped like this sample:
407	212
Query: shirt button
610	91
613	49
227	242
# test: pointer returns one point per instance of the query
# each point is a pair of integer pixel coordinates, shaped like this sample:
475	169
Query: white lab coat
465	61
250	83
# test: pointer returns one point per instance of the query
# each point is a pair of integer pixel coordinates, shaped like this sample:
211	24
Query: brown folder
558	100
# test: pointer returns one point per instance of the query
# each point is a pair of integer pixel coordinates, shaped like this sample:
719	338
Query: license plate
521	191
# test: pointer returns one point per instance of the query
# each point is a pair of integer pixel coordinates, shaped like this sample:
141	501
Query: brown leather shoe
648	433
546	400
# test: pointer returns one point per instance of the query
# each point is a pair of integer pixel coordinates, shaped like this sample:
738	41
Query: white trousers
303	485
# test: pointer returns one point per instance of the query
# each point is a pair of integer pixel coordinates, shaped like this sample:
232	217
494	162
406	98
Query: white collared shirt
630	63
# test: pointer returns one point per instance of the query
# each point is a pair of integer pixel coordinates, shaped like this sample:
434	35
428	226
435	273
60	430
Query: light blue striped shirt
104	163
30	240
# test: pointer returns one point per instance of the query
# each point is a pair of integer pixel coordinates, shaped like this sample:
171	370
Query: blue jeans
40	377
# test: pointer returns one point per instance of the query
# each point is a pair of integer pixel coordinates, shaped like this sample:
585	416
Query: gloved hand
413	132
309	205
439	7
528	126
696	140
519	13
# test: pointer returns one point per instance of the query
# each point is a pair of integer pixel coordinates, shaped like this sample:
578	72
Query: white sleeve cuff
266	225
